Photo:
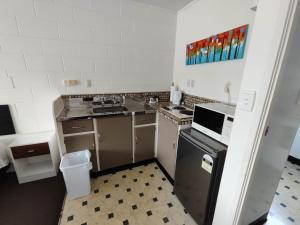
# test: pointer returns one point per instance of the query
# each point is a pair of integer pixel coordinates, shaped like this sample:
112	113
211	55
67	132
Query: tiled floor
285	208
143	195
139	196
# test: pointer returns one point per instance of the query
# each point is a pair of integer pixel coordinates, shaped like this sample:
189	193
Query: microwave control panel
226	132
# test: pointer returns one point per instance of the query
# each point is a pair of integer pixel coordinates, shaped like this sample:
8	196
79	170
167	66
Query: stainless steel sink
112	109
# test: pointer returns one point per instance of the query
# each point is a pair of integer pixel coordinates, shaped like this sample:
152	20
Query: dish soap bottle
172	89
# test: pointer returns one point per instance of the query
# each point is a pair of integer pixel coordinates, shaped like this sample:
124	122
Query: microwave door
209	119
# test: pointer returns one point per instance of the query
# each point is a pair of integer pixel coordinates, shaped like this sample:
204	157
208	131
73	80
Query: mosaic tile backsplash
164	96
190	100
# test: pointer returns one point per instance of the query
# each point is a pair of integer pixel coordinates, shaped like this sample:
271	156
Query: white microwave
215	120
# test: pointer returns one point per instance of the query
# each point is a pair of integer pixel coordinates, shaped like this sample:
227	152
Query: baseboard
294	160
130	166
164	171
261	220
120	168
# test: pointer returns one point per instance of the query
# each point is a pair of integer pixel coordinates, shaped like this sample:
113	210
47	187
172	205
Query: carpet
33	203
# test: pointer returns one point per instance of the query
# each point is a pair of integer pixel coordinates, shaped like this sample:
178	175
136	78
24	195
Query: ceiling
173	5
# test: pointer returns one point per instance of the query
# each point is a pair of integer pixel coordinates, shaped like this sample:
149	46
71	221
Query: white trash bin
76	168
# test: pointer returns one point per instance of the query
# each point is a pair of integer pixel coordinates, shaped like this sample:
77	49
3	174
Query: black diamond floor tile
84	203
140	183
70	218
170	205
166	219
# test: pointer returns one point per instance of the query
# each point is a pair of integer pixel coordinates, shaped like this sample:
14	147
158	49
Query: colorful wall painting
229	45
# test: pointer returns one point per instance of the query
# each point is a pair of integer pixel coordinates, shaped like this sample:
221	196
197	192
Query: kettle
177	95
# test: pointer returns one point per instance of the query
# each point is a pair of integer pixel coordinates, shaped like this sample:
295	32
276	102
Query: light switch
188	83
247	100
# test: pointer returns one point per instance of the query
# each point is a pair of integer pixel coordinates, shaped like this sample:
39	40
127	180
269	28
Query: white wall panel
120	45
198	21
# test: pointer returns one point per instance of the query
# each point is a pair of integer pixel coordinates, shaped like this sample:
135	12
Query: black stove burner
187	112
166	108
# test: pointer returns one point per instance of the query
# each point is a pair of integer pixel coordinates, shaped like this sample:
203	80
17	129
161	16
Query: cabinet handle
99	137
31	151
136	140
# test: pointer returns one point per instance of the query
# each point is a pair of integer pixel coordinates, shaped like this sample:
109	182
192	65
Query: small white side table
35	156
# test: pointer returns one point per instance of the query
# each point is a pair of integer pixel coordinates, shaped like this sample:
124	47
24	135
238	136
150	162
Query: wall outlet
227	88
188	83
88	83
193	82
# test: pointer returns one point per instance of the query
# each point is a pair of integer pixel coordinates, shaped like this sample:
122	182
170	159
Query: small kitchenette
146	112
121	130
124	131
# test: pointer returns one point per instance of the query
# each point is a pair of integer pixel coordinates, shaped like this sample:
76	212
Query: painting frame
229	45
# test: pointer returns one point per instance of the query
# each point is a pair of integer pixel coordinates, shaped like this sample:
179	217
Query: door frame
233	216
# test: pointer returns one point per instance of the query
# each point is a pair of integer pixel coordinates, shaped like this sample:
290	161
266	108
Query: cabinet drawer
77	126
30	150
145	119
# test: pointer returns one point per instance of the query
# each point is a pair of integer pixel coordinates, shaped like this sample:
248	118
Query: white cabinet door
167	144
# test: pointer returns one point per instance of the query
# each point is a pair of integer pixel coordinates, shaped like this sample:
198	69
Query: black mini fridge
199	166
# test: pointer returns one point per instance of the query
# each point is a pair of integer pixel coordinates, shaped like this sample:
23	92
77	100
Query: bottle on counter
172	89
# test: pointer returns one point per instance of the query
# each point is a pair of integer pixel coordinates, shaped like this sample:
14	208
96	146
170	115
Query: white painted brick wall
120	45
